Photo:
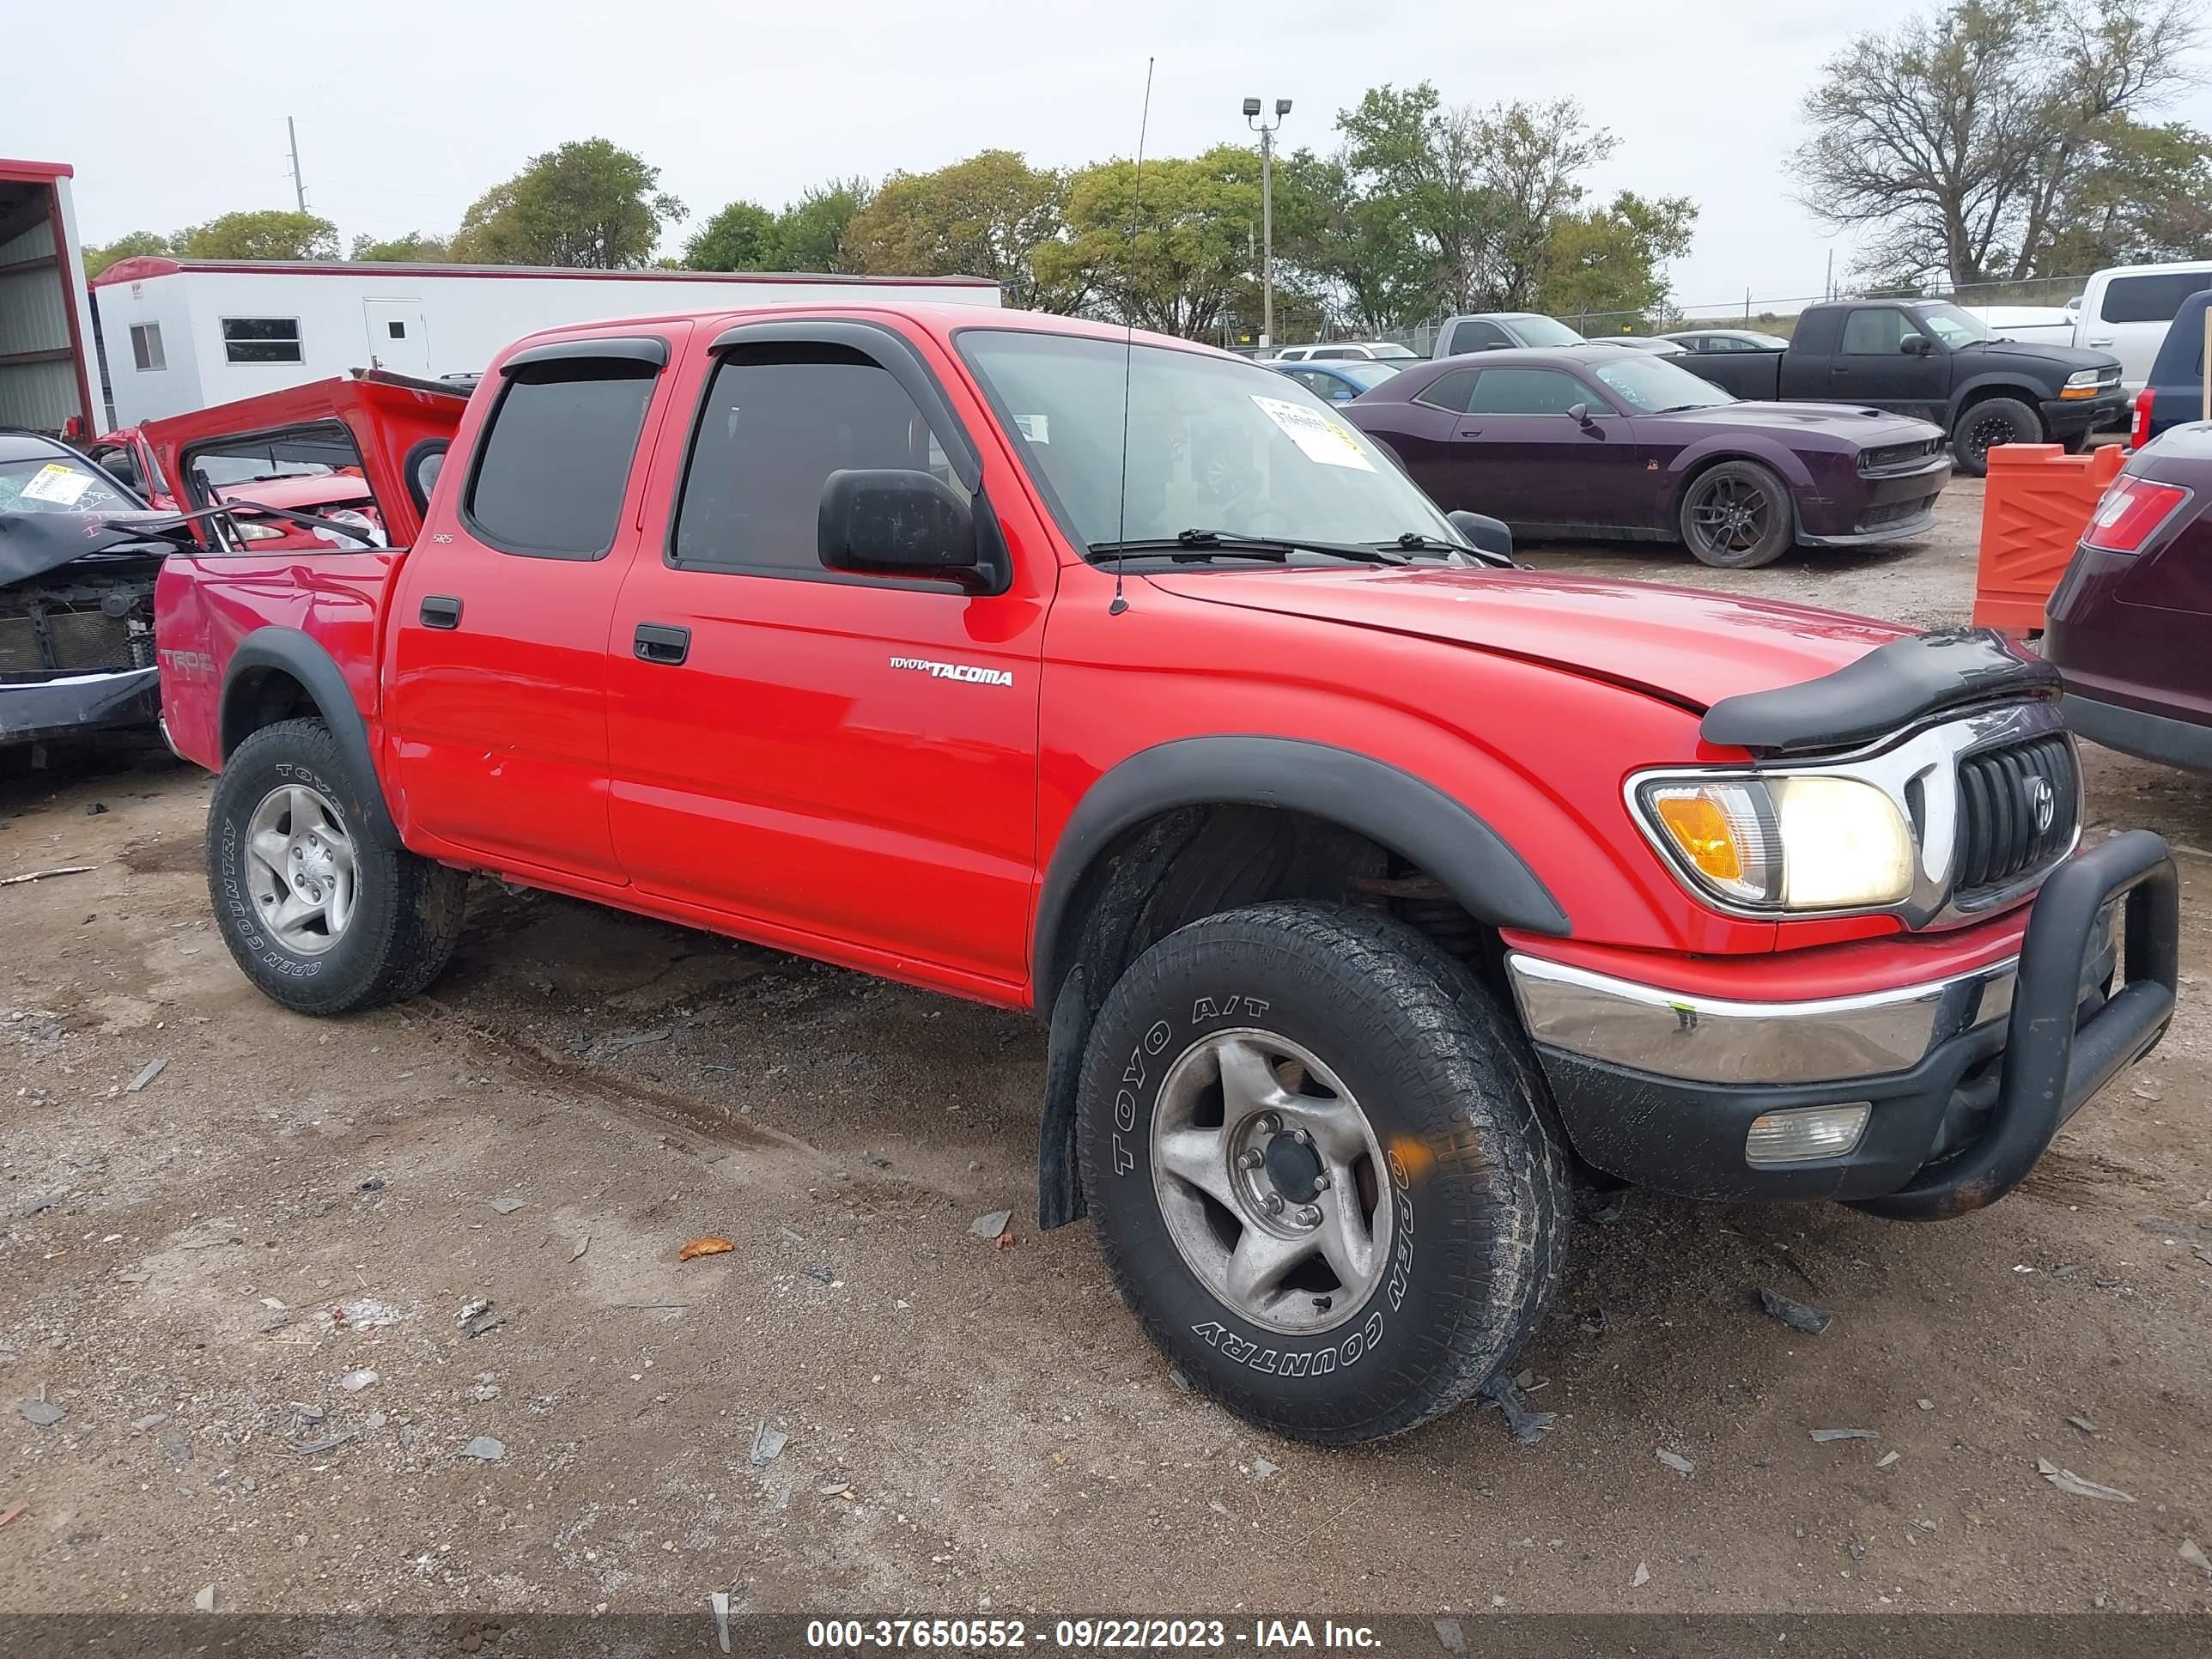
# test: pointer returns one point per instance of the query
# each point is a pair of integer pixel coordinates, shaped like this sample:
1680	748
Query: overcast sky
408	111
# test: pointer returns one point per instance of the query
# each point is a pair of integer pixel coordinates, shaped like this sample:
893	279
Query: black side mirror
1483	531
1914	345
895	521
1580	415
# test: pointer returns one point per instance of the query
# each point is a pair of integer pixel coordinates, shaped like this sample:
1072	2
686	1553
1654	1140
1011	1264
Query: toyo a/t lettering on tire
1322	1169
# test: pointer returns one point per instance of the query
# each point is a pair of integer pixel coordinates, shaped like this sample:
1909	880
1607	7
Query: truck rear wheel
1737	516
322	914
1982	426
1320	1167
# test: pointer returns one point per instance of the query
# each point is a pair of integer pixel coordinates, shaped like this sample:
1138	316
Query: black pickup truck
1929	358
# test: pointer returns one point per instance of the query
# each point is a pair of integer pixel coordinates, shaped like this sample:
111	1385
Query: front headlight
1784	843
2089	376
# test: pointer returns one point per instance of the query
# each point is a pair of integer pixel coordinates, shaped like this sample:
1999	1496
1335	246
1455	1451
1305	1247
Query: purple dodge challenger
1602	440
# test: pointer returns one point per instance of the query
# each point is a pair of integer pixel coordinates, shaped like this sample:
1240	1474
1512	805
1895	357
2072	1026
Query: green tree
1172	258
1472	195
1610	262
1356	251
2146	198
1954	142
986	216
414	246
741	237
810	233
268	235
587	203
131	246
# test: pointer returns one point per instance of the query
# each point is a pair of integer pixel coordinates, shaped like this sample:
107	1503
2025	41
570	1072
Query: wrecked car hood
33	543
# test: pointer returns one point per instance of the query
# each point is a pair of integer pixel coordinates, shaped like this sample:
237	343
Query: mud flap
1060	1182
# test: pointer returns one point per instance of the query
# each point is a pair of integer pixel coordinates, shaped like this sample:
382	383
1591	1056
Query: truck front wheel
1982	426
1321	1172
324	915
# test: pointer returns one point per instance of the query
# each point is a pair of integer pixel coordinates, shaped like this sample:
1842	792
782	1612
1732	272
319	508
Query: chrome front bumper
1702	1039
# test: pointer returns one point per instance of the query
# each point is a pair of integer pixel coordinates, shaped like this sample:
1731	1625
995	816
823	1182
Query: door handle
439	612
657	642
2107	340
1470	432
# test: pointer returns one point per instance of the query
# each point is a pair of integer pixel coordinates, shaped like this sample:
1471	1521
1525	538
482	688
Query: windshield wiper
1414	541
1194	545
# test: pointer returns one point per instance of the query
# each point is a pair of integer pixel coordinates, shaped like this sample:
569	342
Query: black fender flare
1391	807
289	651
1994	383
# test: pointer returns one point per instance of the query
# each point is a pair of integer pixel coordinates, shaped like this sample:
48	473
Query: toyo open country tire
1225	1044
322	914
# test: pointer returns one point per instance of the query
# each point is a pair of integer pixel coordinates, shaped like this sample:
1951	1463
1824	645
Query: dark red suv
2127	626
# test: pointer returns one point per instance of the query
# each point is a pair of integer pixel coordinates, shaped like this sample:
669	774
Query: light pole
1266	212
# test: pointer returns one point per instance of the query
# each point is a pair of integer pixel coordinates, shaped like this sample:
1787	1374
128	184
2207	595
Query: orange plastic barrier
2038	503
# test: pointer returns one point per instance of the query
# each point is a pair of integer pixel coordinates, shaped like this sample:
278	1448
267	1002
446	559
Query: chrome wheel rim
1729	515
1271	1181
301	869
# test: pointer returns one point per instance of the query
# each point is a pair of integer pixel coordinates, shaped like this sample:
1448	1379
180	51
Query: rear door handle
439	612
2107	340
657	642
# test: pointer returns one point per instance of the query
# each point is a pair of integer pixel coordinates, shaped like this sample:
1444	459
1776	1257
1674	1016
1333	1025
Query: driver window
1527	391
777	422
1880	333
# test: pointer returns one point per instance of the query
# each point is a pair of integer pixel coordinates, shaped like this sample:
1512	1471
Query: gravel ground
198	1273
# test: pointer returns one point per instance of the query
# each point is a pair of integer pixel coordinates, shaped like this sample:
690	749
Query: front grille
1894	513
1896	458
2002	833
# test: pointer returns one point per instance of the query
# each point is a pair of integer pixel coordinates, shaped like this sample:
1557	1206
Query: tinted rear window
2153	298
552	470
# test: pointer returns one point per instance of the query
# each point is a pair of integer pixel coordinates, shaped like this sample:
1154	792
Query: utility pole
299	185
1266	212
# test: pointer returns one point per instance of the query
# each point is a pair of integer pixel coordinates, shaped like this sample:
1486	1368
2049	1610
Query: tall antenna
299	185
1129	355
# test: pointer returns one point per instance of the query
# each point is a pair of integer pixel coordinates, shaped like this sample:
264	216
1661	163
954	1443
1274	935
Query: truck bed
1753	376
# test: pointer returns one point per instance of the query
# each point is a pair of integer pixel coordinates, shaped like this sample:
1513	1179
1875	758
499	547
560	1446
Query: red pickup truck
1373	892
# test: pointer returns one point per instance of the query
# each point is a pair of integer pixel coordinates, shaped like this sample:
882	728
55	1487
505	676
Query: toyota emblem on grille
2043	801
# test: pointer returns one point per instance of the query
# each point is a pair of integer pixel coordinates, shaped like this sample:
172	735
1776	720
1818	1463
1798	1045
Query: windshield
221	470
1546	332
59	483
1214	443
1954	327
1652	385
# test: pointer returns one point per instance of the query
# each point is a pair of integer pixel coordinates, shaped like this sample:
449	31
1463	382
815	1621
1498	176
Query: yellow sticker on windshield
63	486
1318	438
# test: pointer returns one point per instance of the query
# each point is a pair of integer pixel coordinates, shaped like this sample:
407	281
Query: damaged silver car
76	596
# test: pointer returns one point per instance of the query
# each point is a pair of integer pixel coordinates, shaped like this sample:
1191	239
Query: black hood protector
32	543
1890	688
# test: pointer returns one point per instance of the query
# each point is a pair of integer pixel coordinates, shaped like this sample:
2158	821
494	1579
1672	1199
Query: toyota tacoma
1374	893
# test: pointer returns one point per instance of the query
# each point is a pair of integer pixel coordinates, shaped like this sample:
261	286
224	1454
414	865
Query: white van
2125	311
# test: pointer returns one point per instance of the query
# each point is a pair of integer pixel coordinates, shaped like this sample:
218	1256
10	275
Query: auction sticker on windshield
1318	438
63	486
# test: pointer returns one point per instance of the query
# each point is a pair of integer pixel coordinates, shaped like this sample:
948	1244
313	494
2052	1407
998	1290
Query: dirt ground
196	1272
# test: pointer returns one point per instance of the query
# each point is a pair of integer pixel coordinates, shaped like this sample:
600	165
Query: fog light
1804	1135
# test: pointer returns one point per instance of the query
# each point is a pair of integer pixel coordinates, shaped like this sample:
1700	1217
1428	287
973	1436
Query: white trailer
46	320
184	334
